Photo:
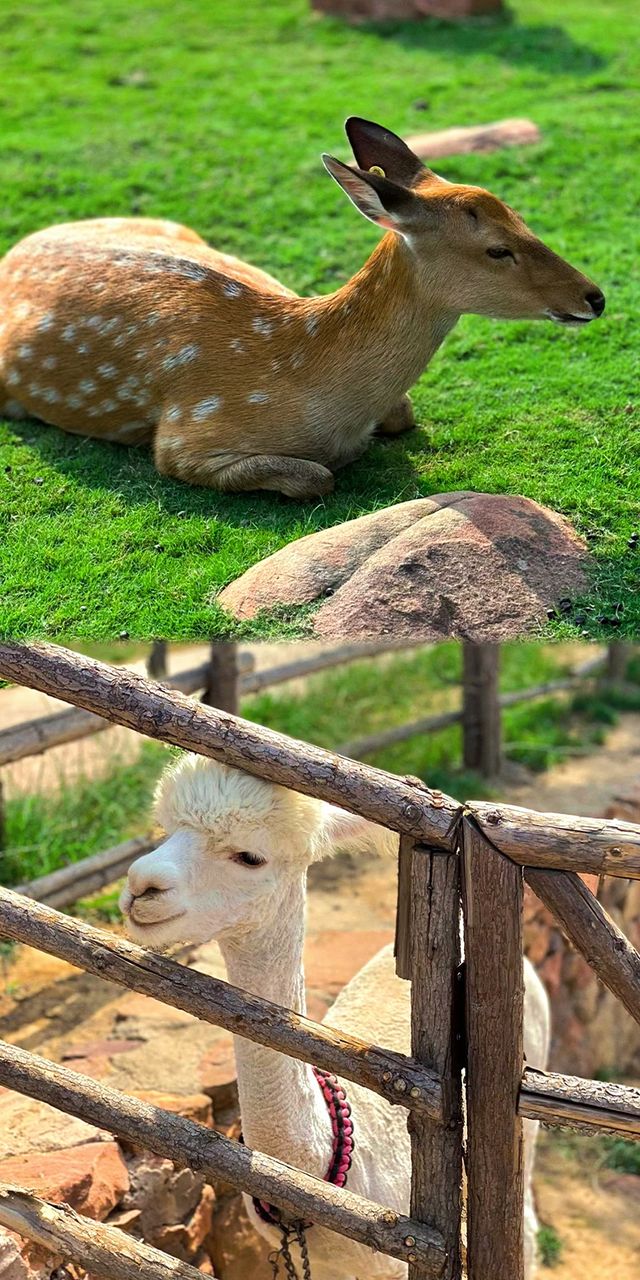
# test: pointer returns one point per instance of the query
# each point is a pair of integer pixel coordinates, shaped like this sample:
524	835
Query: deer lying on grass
136	331
234	868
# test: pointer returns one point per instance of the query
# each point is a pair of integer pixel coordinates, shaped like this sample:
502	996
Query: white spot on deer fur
24	351
22	310
311	324
108	406
49	362
12	378
257	397
83	349
35	389
237	344
232	289
74	402
107	371
153	317
172	442
202	410
173	413
184	356
50	395
296	360
95	322
260	325
86	386
69	332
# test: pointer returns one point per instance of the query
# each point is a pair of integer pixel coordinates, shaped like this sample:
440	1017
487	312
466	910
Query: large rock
468	565
92	1178
234	1246
27	1126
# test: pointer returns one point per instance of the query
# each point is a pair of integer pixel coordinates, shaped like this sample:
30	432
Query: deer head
470	250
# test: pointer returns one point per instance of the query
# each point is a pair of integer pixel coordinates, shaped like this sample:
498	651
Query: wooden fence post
428	953
492	906
222	689
481	708
618	654
157	660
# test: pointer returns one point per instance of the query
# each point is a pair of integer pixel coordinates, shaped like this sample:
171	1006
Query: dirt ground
49	1008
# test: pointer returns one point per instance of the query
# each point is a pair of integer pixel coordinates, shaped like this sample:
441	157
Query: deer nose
595	298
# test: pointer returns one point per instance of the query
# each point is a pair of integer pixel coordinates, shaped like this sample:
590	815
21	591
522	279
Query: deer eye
499	252
245	859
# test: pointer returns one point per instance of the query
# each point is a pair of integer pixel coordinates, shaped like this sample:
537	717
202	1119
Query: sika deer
135	330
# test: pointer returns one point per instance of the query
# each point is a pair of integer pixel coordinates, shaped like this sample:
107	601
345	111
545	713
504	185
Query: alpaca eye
499	252
248	859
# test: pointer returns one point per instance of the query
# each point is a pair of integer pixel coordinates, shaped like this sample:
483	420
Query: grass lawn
45	831
215	115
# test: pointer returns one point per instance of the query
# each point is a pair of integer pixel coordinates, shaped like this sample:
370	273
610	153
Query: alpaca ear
340	829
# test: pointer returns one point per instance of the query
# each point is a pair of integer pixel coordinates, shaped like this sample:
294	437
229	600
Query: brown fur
135	330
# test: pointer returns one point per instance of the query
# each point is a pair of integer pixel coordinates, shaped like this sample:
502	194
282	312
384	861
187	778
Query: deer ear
379	200
373	145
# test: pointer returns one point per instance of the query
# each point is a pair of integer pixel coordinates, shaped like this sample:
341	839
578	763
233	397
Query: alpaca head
235	845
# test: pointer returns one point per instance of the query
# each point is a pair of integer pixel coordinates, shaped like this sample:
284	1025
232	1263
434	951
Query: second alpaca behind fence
234	868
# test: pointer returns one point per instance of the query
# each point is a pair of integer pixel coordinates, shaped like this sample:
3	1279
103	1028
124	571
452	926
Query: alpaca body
234	868
136	331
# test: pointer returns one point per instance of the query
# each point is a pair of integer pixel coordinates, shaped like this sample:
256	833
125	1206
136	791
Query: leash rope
341	1157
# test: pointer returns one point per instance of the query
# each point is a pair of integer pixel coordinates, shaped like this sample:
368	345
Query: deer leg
231	473
294	477
400	418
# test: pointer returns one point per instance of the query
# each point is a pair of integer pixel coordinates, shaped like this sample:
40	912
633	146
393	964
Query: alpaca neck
282	1109
378	333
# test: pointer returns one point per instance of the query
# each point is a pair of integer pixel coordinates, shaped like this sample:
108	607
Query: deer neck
379	332
282	1109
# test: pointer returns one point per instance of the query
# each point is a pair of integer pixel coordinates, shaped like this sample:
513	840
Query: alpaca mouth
154	924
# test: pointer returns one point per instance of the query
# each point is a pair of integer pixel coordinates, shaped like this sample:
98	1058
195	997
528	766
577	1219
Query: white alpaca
234	868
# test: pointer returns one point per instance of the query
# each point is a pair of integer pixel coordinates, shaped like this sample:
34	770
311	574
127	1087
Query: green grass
44	832
216	116
549	1246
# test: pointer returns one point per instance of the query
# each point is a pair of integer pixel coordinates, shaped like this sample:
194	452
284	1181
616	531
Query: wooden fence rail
495	846
205	1150
394	1076
102	1250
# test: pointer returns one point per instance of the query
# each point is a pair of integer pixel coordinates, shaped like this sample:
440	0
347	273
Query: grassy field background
215	115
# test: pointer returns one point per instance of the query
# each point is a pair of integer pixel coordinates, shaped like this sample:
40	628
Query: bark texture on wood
434	952
594	845
102	1250
481	708
395	1077
585	921
492	905
35	736
205	1150
588	1105
126	698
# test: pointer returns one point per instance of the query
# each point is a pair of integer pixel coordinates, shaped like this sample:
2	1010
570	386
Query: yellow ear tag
375	168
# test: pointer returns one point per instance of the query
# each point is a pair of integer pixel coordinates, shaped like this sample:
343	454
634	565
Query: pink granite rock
467	565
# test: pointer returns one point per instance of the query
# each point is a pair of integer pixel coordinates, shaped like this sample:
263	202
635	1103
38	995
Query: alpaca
135	330
234	868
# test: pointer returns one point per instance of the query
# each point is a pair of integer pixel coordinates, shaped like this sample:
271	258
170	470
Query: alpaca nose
595	298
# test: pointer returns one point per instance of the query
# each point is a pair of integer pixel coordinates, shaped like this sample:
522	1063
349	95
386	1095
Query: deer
136	331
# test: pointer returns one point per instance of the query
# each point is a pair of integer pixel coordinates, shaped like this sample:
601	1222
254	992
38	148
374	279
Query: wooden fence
228	675
477	855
